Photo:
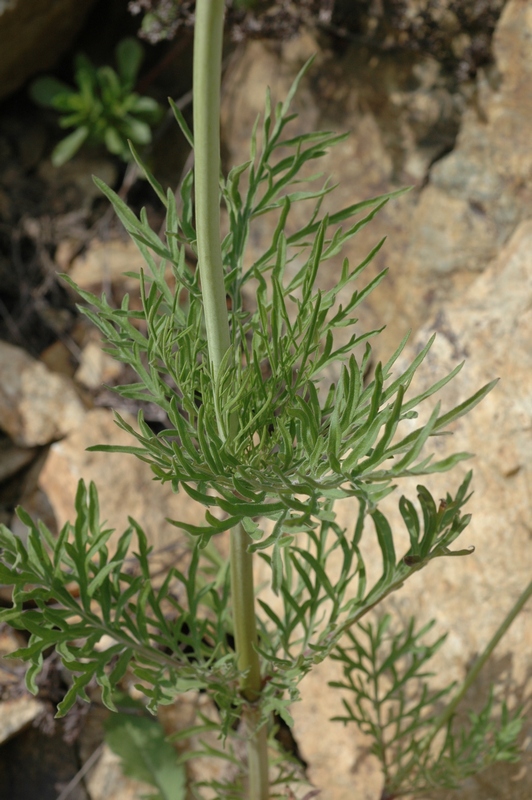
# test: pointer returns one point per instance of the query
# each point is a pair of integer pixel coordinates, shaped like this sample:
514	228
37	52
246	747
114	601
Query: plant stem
245	630
257	751
208	39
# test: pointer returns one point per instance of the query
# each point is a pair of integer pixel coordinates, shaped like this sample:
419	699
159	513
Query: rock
17	714
478	194
96	367
36	405
404	114
125	485
338	758
58	358
33	35
106	781
13	458
105	263
491	325
401	115
17	708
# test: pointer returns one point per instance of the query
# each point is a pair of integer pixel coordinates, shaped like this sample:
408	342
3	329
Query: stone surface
478	194
404	115
104	263
58	358
18	708
491	325
33	35
96	367
12	458
440	239
106	781
400	114
125	485
17	714
36	405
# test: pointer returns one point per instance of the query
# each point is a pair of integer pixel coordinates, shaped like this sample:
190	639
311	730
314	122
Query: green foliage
146	755
98	594
390	699
302	442
318	610
292	441
104	109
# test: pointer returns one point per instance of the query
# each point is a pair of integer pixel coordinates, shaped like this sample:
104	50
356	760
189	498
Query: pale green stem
257	750
206	90
208	39
245	630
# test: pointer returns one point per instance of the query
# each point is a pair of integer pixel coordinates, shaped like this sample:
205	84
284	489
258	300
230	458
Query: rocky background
437	96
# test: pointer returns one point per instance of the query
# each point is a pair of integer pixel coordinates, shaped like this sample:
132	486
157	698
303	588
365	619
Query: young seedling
255	432
104	109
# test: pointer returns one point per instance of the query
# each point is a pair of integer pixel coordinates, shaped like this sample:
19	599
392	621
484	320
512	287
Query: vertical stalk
208	37
244	613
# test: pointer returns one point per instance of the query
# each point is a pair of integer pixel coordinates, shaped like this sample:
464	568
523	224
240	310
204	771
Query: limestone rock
478	194
36	405
12	458
468	597
105	263
33	35
400	114
125	485
16	714
96	367
17	710
404	115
